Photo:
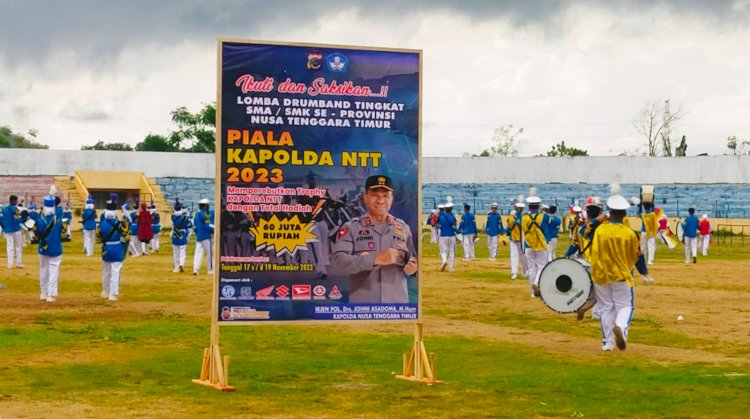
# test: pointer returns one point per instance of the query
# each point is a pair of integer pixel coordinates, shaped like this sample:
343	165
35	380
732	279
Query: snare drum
565	285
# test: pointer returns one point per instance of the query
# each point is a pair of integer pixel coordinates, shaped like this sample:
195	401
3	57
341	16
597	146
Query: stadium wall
597	170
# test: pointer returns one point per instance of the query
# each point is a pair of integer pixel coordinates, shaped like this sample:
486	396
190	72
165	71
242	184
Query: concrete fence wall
634	170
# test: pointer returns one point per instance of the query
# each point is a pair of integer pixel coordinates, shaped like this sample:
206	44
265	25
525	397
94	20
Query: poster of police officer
318	161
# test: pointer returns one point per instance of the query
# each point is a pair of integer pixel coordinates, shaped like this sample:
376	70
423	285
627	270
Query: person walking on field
494	228
553	230
145	232
11	221
48	228
204	234
534	224
468	227
690	231
113	234
705	229
614	253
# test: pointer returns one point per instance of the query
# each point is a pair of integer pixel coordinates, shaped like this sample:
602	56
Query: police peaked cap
379	181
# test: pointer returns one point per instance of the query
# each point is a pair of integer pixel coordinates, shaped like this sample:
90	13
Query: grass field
501	353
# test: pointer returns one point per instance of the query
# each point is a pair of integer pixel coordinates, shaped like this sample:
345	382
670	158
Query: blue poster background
258	282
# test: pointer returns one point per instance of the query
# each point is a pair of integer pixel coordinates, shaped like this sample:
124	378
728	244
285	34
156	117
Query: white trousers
135	246
14	247
691	247
516	253
49	275
492	246
178	255
88	242
705	240
468	244
201	247
155	242
614	302
111	279
536	260
552	249
434	235
648	247
448	250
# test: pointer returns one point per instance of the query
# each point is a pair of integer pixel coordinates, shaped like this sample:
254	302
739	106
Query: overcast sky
579	71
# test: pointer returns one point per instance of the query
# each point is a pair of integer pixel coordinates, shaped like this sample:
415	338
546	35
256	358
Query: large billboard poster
318	161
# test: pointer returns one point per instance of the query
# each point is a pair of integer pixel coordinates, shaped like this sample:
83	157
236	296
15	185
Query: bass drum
565	285
28	224
647	194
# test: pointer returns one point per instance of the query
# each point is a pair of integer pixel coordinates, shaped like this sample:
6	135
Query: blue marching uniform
181	227
113	234
204	232
447	241
48	229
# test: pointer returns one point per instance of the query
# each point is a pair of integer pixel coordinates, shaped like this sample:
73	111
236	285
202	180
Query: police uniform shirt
357	244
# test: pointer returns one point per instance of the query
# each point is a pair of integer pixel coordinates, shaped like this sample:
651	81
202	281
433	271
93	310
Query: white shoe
514	276
105	294
42	296
176	270
51	299
450	269
608	347
111	298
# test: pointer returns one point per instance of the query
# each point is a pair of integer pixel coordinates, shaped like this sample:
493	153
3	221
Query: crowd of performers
602	240
121	231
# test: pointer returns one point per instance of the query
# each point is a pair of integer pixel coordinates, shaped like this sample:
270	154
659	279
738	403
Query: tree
196	132
154	142
561	150
655	122
9	139
100	145
738	146
504	142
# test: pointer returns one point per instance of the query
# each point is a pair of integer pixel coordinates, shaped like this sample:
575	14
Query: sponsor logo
337	62
319	292
265	293
301	292
246	293
227	291
226	314
247	313
314	60
282	291
335	293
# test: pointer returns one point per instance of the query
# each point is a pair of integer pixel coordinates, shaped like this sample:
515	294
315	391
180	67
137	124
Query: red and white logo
319	291
335	293
282	291
301	292
265	293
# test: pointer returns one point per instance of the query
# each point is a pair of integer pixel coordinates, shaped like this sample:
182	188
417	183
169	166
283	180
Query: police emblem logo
314	61
343	231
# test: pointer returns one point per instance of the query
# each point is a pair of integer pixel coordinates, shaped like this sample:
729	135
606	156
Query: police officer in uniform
376	250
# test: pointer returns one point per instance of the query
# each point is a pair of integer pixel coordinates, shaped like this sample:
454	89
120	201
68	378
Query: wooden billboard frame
214	368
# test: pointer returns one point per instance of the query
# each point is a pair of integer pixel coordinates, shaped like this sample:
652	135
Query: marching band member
447	222
89	227
48	228
705	229
67	220
155	228
614	252
664	233
135	243
649	227
181	227
690	232
494	228
515	236
468	228
553	230
534	224
575	225
204	232
11	221
145	233
432	222
113	234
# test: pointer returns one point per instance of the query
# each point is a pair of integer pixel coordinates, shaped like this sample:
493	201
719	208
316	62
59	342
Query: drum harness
176	231
115	227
